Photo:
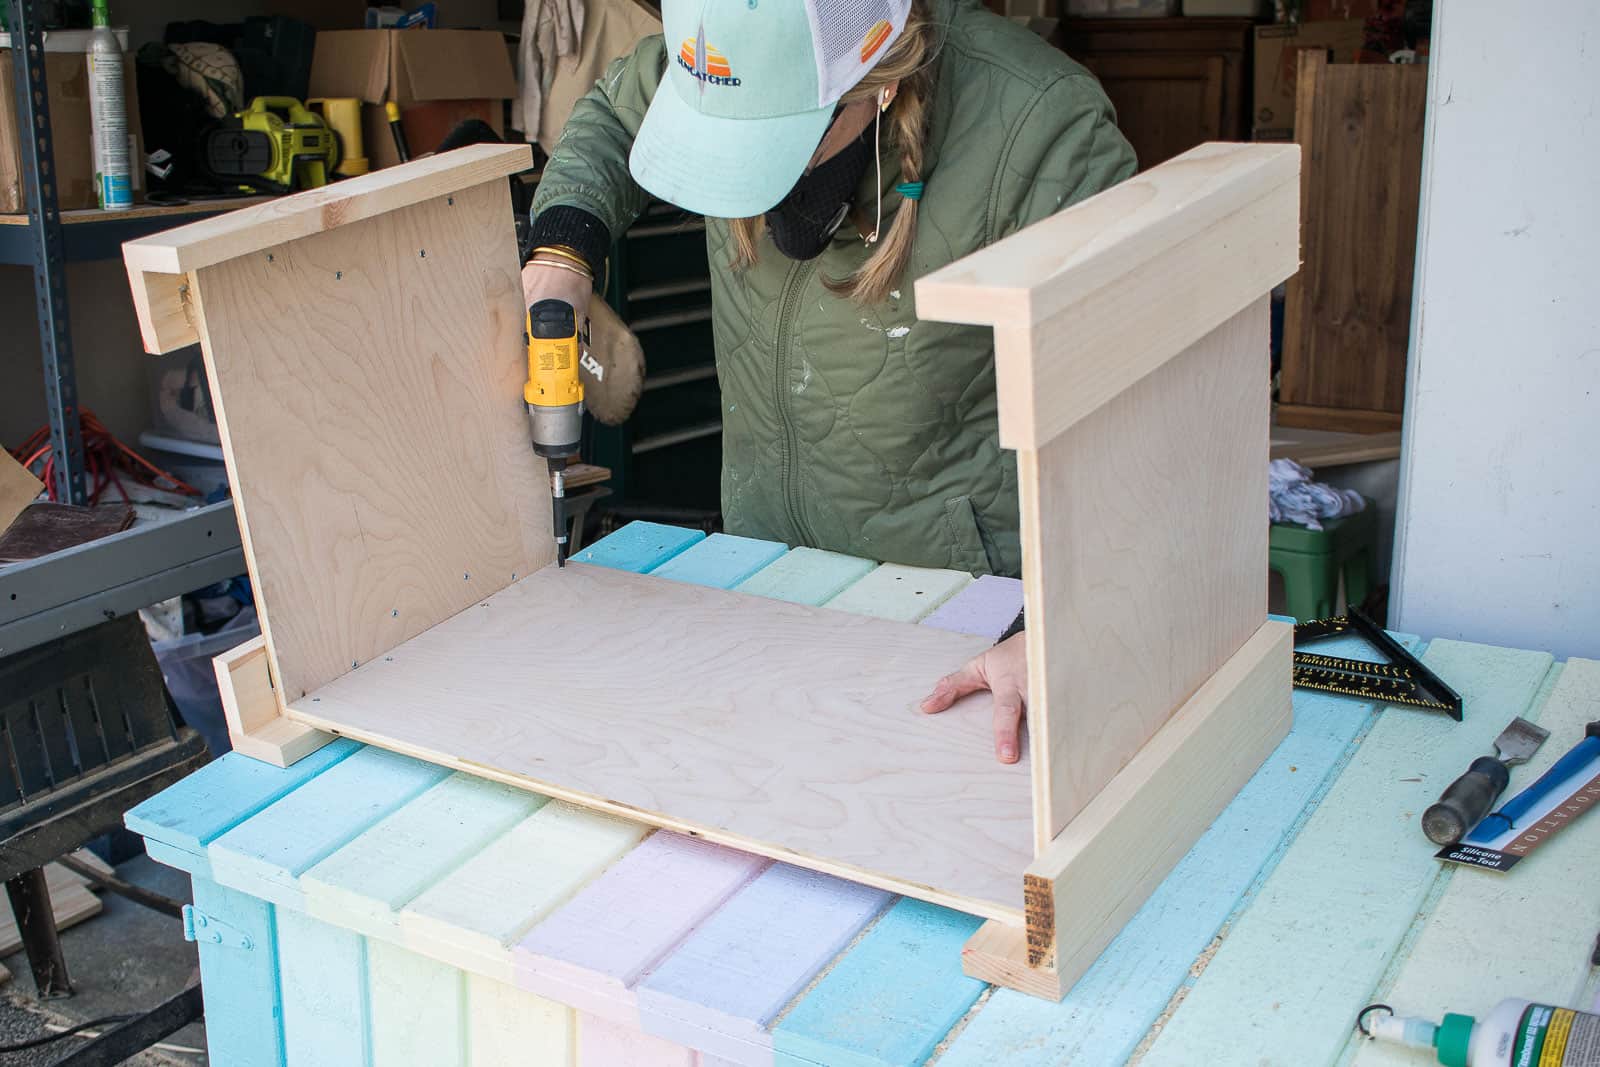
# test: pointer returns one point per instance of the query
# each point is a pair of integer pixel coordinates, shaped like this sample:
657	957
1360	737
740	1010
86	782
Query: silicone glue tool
1516	1032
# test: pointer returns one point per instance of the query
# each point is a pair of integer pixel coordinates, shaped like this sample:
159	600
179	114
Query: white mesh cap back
851	36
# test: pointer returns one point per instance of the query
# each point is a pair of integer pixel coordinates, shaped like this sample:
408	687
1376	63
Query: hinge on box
198	926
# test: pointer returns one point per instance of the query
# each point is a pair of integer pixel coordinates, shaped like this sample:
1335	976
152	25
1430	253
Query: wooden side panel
243	1005
161	305
508	1026
322	971
1160	497
1348	314
419	1009
367	383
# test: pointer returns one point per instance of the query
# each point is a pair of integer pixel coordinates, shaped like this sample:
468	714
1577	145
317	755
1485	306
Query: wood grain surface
1159	496
1348	314
780	728
368	385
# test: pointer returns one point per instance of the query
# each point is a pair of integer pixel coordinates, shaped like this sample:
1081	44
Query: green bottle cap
99	14
1455	1032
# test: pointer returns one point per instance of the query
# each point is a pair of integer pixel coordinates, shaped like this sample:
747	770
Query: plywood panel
799	725
1161	494
368	384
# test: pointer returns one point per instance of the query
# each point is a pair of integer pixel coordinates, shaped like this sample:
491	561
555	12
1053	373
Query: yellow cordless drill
554	396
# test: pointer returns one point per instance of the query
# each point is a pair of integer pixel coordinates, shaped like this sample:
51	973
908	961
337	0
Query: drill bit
558	506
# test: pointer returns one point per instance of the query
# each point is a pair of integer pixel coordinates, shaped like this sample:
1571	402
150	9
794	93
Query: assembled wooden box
364	348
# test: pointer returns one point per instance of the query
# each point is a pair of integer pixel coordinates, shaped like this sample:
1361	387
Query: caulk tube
1517	1033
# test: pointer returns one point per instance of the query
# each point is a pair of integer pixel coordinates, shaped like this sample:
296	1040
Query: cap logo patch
874	39
706	64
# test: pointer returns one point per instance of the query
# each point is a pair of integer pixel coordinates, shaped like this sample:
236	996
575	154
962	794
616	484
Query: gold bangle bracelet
565	253
561	266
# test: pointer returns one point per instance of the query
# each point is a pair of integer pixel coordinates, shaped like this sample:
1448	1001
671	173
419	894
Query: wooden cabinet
1175	82
1348	314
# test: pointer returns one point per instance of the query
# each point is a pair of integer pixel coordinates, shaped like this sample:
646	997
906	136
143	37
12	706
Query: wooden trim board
256	726
365	358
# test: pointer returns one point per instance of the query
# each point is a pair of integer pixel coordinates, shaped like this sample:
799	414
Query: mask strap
877	159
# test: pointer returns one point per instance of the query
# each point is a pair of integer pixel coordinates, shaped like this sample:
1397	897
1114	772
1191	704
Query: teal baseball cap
749	91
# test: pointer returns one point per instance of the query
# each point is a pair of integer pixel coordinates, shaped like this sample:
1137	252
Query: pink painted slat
592	951
603	1043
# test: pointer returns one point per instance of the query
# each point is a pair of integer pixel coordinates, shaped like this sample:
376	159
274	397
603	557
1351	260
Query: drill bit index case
364	348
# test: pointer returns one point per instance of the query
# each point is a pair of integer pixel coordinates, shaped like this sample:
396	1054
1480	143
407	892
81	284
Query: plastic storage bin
1147	9
186	665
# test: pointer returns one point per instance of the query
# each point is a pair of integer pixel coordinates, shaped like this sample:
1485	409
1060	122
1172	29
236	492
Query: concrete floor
126	959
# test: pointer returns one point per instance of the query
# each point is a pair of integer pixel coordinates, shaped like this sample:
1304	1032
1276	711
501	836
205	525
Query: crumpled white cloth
551	30
1293	497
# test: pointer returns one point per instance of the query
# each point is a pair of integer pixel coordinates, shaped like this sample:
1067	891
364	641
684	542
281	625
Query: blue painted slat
889	1000
1111	1008
244	1010
721	561
638	547
192	813
266	854
323	977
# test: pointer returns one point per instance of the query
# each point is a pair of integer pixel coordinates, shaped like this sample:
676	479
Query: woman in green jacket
841	149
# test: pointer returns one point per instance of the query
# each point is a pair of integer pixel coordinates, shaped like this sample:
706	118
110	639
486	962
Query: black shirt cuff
574	228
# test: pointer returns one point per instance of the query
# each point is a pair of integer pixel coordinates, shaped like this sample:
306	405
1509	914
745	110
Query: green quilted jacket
861	429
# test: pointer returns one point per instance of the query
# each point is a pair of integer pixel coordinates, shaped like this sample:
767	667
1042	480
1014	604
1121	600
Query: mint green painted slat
1109	1011
639	547
721	561
905	594
364	884
419	1009
266	854
190	814
1522	934
239	984
806	576
323	976
1309	951
889	1000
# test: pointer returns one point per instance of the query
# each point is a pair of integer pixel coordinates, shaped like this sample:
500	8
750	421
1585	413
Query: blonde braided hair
909	63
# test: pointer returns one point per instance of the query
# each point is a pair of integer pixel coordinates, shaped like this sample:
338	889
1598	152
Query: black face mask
805	220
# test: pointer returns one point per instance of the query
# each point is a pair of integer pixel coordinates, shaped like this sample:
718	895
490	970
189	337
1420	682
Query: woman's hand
544	279
1003	670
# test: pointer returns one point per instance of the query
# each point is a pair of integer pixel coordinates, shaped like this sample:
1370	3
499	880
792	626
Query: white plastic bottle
108	113
1517	1033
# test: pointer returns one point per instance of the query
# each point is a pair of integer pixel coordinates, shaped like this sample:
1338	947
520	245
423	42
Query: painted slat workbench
363	908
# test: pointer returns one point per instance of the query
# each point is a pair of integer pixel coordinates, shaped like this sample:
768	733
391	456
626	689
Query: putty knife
1470	797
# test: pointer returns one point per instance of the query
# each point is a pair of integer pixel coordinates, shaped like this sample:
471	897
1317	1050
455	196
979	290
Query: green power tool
276	145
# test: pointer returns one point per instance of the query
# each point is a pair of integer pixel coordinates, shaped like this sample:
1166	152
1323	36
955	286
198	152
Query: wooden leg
256	726
1081	890
30	903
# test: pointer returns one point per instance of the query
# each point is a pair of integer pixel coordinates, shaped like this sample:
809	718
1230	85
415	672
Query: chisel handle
1465	801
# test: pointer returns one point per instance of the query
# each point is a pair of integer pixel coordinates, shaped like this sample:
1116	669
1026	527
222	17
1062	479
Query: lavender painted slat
603	1043
987	607
722	987
639	547
593	950
721	561
890	1000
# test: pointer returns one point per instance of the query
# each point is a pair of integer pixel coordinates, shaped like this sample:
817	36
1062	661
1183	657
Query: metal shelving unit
147	564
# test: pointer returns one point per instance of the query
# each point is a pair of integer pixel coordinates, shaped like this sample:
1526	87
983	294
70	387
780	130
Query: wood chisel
554	398
1468	799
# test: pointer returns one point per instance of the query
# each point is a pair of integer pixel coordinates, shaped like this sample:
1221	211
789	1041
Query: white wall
1498	538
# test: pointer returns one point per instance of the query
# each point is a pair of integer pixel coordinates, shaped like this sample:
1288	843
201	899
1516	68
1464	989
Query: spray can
1517	1033
108	113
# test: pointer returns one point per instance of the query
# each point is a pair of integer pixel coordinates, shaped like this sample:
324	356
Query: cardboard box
67	82
1277	59
438	77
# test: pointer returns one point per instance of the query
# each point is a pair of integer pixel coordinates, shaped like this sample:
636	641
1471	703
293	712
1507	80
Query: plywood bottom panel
778	728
